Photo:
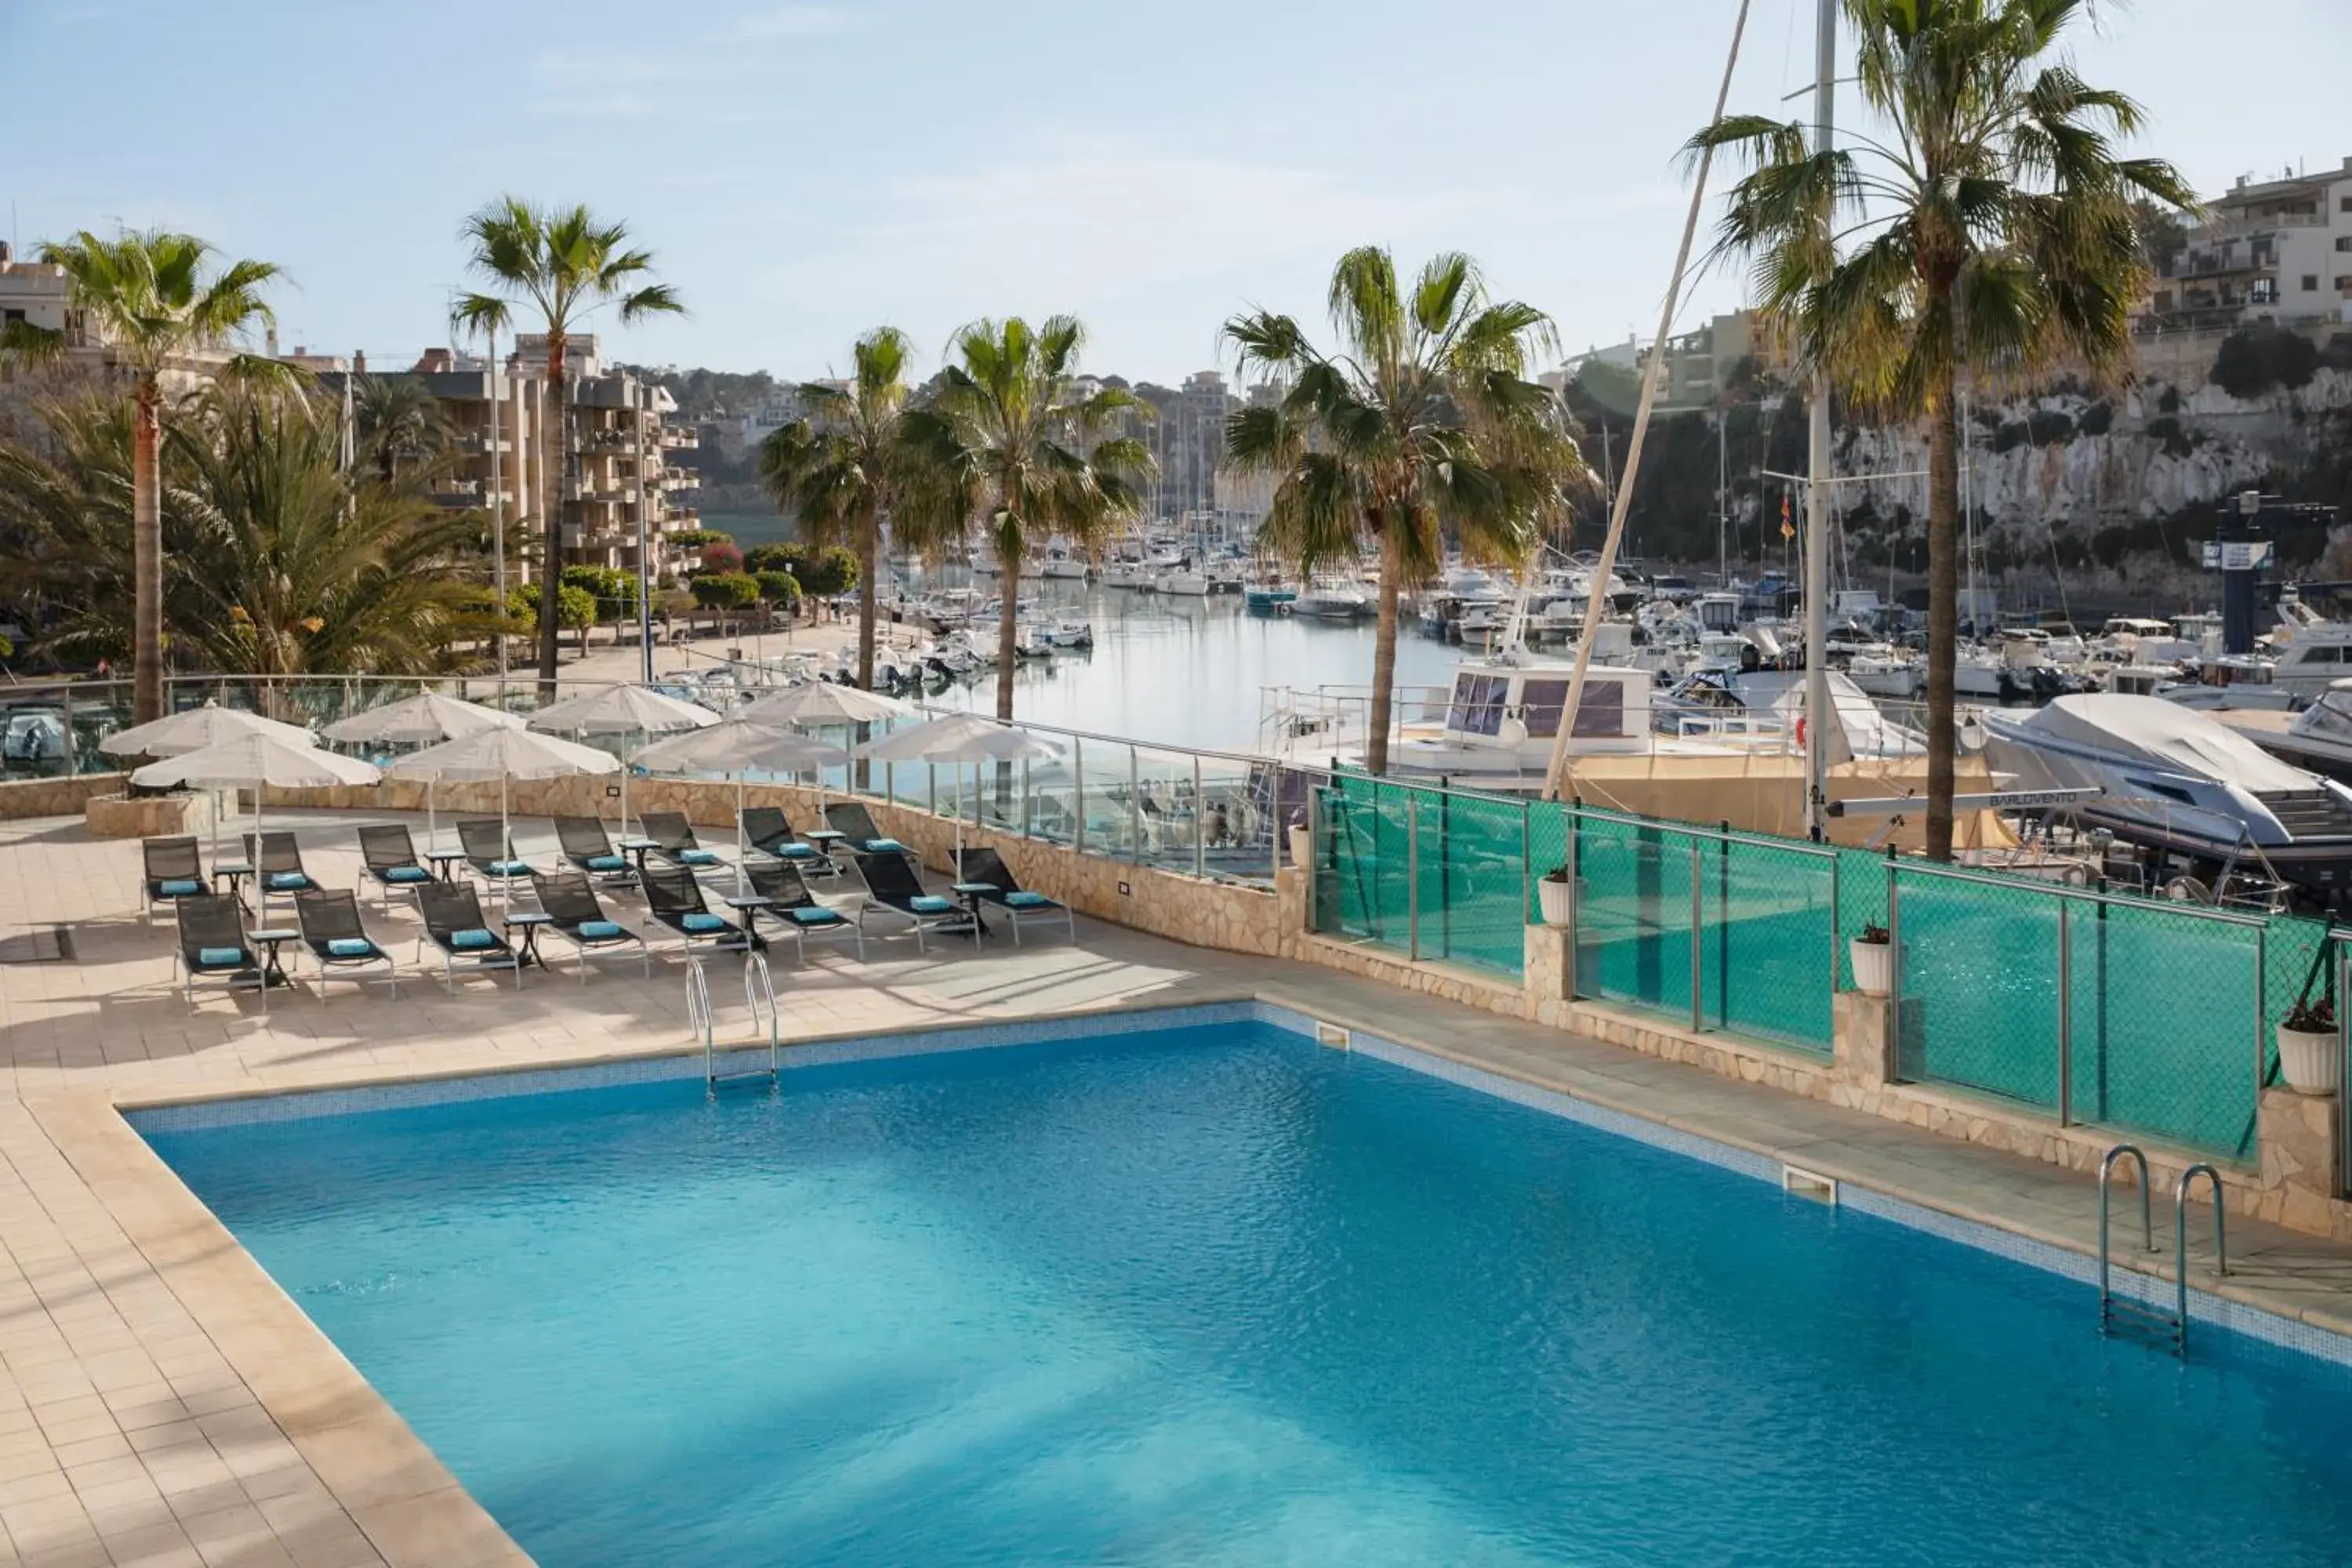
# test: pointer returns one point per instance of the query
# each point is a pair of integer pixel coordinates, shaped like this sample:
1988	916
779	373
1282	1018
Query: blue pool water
1216	1296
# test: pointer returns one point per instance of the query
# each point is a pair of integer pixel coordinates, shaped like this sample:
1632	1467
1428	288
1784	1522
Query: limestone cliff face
2067	461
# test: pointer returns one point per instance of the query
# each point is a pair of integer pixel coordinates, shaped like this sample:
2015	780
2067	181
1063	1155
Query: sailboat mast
1817	490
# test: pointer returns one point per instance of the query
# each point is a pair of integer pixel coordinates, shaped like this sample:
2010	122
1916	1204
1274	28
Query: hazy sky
805	170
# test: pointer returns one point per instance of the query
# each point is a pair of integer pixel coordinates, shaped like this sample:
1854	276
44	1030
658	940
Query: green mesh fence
2159	1002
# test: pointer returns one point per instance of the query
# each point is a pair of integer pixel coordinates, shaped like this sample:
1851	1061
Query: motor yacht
2319	738
1332	600
2181	783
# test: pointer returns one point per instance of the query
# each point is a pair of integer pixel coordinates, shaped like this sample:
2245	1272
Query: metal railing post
1697	951
1314	853
1836	967
1894	958
1134	809
73	760
1277	829
1200	822
1527	855
1078	794
2065	1018
1575	900
1413	874
1024	797
2261	1038
931	788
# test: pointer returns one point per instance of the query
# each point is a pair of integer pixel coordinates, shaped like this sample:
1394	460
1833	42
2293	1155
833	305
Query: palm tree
66	523
1013	445
153	299
839	470
1422	426
565	266
398	421
289	566
1988	231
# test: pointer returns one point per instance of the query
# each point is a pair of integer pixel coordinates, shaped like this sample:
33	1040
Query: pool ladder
759	996
2129	1312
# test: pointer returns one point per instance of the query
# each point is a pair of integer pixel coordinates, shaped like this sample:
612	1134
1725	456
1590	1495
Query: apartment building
2275	250
620	462
36	292
1188	442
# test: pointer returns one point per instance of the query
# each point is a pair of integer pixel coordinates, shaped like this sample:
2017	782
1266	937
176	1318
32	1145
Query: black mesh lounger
673	840
892	884
674	899
767	829
491	854
389	856
574	914
586	847
858	833
796	908
173	870
455	924
986	867
213	944
338	939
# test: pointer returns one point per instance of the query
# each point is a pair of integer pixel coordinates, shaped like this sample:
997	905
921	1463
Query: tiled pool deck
163	1403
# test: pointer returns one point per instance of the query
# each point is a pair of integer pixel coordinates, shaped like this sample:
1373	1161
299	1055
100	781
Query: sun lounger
213	944
573	913
338	939
767	829
490	853
980	867
859	835
673	840
454	923
389	856
173	870
892	884
796	908
674	899
586	847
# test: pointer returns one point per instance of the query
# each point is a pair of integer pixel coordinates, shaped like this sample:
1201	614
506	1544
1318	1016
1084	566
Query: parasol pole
742	877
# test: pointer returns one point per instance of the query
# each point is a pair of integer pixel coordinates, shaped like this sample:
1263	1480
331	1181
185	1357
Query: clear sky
805	170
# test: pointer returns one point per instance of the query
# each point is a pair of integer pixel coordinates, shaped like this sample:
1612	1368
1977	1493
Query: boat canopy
2163	734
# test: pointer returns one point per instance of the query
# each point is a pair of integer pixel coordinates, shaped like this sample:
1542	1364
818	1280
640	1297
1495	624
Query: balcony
605	441
677	438
477	444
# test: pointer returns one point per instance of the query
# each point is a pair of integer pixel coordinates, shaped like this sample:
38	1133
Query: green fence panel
2153	1050
1768	923
1861	901
1475	881
1633	915
1978	971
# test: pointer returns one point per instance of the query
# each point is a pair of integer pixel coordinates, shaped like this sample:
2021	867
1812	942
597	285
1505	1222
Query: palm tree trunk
1376	743
867	548
146	557
550	571
1943	609
1008	572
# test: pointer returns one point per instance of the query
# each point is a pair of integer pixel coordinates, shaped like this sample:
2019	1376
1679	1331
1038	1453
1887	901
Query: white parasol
257	758
503	755
622	710
424	720
739	747
958	739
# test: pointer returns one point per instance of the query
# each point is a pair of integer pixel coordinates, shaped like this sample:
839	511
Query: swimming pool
1214	1295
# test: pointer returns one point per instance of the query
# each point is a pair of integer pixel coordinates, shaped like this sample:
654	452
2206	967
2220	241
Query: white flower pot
2310	1060
1874	966
1552	898
1302	845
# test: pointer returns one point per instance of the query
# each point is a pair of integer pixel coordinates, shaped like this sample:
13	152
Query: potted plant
1873	960
2310	1057
1302	841
1553	897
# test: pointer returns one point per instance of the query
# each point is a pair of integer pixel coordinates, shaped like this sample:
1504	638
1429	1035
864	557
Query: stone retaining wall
22	798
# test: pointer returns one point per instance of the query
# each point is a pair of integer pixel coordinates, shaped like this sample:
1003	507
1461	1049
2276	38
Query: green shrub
2253	360
725	591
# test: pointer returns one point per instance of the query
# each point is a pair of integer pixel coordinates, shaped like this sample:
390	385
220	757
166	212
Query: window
2164	298
2344	203
1478	704
2311	282
2344	242
1603	711
10	317
1540	702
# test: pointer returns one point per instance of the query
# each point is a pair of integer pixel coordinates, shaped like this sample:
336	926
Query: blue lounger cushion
606	863
699	923
349	947
697	858
509	868
282	882
807	917
877	846
468	941
794	851
931	904
1028	900
600	931
220	957
179	887
407	874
